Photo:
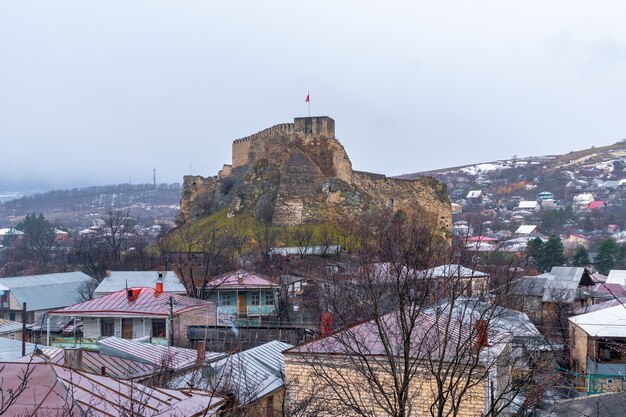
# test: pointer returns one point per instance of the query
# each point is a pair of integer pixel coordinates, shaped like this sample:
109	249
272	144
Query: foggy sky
97	92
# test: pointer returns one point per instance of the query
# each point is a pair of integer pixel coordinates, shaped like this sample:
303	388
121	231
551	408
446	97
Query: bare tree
116	230
303	236
87	289
418	347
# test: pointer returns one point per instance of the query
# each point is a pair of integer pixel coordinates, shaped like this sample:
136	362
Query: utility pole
171	319
154	177
23	329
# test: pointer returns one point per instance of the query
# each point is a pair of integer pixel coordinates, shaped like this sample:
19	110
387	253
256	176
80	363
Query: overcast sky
95	92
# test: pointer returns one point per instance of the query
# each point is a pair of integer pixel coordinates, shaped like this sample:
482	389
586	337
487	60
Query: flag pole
308	96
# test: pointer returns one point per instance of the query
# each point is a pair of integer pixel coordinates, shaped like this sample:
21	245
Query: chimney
129	293
73	358
327	323
240	277
159	288
201	348
160	274
482	338
103	370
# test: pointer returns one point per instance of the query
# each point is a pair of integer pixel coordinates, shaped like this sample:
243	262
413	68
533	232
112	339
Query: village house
41	293
244	297
140	312
11	329
254	376
348	372
575	240
546	298
474	281
120	280
597	348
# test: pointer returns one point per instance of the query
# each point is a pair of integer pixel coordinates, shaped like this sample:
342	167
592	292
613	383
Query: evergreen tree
534	251
608	252
552	253
581	257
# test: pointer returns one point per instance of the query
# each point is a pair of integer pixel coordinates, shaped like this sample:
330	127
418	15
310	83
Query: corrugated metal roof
529	286
10	326
145	301
172	357
611	404
453	270
365	338
250	374
11	350
616	276
567	273
53	386
242	279
115	367
46	292
120	280
608	322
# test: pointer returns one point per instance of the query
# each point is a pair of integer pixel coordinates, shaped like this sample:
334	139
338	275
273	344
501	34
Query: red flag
307	98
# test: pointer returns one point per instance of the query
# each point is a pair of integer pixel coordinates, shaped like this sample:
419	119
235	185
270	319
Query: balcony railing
606	368
251	311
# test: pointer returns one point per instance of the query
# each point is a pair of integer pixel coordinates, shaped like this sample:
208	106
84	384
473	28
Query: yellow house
425	363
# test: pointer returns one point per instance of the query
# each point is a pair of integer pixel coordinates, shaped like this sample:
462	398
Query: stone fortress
294	173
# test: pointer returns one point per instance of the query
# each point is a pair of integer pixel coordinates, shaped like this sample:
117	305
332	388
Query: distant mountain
611	158
78	206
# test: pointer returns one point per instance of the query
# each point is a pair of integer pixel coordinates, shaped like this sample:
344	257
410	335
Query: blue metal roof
48	291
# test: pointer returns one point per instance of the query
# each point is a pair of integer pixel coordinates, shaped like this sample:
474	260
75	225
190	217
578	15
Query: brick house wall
205	315
305	387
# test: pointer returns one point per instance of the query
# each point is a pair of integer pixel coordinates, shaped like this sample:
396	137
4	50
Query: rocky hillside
297	173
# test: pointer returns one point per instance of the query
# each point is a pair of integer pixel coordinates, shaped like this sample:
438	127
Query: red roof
595	205
242	279
365	339
55	390
144	301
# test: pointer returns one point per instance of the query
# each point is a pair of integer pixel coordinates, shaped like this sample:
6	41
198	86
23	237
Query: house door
127	328
242	306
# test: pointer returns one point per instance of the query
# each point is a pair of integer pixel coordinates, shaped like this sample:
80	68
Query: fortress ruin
298	172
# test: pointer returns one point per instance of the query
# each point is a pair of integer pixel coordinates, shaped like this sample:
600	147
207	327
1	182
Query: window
255	299
12	316
610	381
106	327
269	298
158	327
225	299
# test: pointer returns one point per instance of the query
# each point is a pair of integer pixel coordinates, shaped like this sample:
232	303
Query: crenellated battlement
260	144
281	128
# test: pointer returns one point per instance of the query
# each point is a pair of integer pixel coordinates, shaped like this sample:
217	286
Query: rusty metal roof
144	301
55	390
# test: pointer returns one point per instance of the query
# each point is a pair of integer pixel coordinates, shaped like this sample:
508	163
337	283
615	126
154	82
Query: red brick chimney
327	323
159	288
482	338
201	348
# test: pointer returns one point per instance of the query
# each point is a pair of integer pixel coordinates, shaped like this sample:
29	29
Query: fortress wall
407	195
243	146
317	126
